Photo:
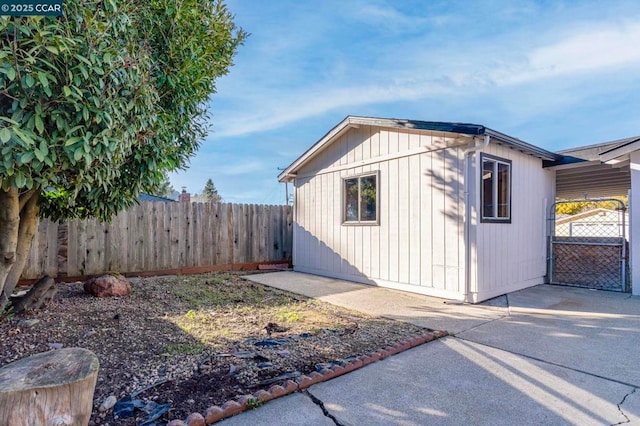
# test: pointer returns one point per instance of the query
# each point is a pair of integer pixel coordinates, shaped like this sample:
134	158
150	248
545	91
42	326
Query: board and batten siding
511	256
418	244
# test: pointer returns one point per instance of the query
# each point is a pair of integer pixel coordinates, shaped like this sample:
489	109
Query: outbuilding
597	222
445	209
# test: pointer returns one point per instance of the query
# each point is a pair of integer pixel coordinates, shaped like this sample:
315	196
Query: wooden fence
156	236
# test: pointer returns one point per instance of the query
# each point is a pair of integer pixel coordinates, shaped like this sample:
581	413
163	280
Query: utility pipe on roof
467	213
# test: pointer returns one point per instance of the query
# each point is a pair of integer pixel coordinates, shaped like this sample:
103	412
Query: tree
163	189
98	105
575	207
210	193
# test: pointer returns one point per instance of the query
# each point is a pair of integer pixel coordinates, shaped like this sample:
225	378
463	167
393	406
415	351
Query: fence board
237	215
62	252
165	239
131	262
214	233
206	233
49	250
122	224
253	246
73	248
157	236
262	217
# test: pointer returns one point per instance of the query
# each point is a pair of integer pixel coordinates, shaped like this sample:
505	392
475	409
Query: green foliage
210	193
61	201
220	290
253	403
163	189
99	104
289	316
575	207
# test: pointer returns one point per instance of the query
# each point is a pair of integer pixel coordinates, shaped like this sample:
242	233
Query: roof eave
289	174
524	146
620	151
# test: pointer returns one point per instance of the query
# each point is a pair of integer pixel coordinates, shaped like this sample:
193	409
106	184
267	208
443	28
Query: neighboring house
445	209
144	197
597	222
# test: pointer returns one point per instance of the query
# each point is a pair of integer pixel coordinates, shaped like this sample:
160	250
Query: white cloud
387	16
578	51
390	17
591	50
290	108
541	71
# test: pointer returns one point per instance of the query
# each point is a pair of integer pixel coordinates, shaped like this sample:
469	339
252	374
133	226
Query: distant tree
210	193
98	105
163	189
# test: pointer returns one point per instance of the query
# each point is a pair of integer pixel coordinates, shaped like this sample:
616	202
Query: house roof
583	215
144	197
598	170
596	152
394	123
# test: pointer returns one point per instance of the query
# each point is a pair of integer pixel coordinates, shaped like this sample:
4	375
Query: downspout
468	153
294	220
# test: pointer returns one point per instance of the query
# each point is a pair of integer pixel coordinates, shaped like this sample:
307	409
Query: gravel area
189	342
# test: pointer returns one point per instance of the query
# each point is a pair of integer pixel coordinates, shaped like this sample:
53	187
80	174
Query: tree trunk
29	211
49	388
9	225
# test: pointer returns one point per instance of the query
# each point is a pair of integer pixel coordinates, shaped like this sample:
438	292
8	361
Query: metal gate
589	249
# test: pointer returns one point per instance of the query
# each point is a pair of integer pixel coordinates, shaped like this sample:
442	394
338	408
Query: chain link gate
589	249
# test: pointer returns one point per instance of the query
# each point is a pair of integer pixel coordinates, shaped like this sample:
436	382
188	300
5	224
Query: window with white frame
361	199
496	189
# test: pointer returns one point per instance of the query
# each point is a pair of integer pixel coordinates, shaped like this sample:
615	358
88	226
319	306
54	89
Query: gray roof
144	197
438	126
600	170
461	128
594	152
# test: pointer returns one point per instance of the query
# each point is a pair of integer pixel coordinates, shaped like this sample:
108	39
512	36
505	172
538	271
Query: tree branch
26	196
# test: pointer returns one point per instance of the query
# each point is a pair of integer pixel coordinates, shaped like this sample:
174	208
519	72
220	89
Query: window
496	189
361	199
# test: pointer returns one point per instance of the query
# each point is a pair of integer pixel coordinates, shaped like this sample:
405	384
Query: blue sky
553	73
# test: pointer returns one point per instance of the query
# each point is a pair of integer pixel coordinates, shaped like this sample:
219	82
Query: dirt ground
185	343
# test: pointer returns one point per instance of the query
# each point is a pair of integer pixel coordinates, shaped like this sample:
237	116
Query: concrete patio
544	355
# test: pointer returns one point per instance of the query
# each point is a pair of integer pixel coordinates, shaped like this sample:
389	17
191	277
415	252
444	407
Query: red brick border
243	402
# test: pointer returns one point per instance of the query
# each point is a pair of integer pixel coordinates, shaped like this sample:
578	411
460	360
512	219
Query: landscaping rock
108	403
28	323
270	343
107	286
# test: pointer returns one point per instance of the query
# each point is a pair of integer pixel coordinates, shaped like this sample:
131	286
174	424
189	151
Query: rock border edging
244	402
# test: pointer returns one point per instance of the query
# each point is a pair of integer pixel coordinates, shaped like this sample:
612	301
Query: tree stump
52	388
